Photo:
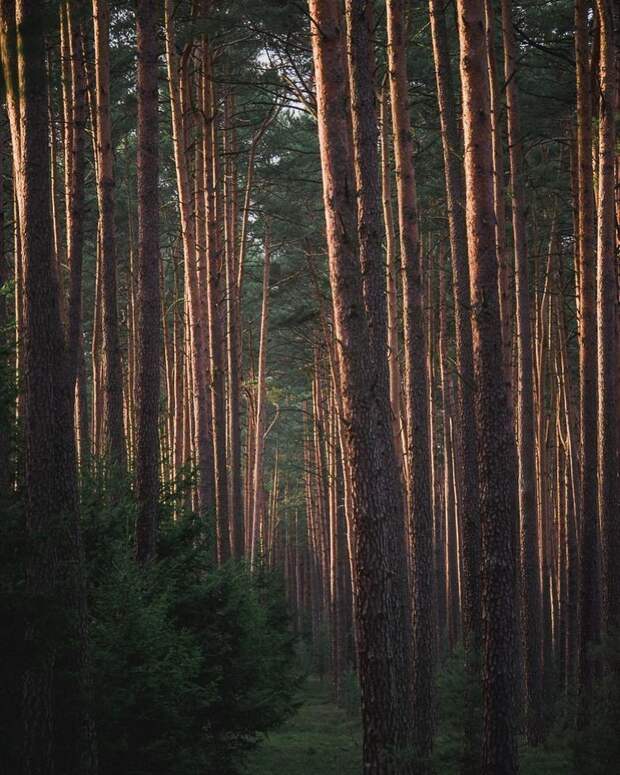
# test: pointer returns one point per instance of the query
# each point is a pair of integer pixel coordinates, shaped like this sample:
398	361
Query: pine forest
309	387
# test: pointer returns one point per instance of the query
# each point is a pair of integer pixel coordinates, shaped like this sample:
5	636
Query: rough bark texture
55	567
148	291
382	614
495	444
416	388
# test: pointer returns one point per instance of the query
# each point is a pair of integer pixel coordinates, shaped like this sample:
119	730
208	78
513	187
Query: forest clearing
309	387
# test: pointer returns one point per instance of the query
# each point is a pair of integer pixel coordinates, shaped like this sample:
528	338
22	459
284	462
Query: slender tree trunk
113	384
495	443
233	330
149	293
526	438
392	282
506	305
589	602
607	308
420	504
449	506
215	281
257	476
199	403
466	425
74	186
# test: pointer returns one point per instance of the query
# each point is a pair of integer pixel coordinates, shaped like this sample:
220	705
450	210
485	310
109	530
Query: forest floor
323	738
319	738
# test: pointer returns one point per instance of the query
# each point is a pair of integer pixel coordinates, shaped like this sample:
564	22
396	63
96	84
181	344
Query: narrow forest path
319	738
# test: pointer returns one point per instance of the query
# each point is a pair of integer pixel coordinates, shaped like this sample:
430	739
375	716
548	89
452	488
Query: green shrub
190	663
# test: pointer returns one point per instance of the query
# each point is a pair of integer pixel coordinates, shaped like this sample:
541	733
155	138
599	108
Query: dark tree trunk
416	389
495	443
589	601
465	419
55	563
380	587
148	296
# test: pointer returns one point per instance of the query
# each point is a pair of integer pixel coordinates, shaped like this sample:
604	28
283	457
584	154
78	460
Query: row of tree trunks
201	441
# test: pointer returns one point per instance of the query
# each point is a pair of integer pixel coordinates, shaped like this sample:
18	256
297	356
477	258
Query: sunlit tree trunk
113	384
495	442
233	336
198	405
380	587
215	277
607	309
465	418
529	557
257	475
505	270
392	281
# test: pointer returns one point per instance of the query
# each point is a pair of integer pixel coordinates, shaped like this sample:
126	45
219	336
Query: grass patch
320	738
323	738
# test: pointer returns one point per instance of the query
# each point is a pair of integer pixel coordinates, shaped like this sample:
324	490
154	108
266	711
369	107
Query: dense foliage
189	663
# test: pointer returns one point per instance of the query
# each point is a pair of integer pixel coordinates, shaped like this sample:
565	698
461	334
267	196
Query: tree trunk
526	439
589	602
607	307
420	504
392	284
233	338
215	280
74	187
466	421
113	383
380	588
198	405
257	475
506	305
149	293
495	442
55	566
